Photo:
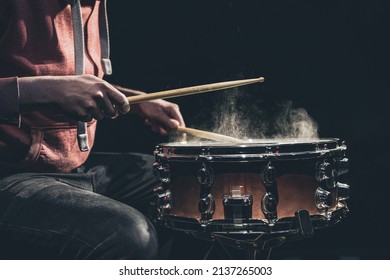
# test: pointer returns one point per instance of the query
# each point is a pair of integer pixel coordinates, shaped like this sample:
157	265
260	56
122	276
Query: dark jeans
93	213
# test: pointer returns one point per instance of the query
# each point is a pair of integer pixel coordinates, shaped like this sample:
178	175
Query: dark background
331	58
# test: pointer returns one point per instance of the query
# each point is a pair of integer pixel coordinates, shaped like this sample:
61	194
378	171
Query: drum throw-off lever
304	225
237	206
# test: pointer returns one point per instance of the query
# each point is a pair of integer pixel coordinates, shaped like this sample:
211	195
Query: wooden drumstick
209	135
188	90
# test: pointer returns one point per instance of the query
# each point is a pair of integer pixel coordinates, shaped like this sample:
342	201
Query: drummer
58	200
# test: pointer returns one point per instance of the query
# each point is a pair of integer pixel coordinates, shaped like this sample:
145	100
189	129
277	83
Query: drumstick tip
260	79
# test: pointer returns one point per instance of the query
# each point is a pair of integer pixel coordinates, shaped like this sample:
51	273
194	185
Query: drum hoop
252	151
282	226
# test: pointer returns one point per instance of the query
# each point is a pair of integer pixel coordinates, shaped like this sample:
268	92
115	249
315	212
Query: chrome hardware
164	199
204	152
155	168
303	221
343	191
205	176
323	199
330	182
269	205
323	171
157	150
206	205
326	175
237	208
268	175
161	172
342	166
269	201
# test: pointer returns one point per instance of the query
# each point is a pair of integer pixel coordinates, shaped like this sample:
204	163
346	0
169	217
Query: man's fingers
118	99
174	112
156	127
97	114
107	107
166	121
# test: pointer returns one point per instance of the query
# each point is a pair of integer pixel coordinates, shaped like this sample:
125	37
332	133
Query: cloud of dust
293	122
248	120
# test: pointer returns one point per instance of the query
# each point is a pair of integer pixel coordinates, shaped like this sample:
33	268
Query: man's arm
82	98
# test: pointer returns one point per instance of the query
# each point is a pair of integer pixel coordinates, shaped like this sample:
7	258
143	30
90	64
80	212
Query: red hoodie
36	38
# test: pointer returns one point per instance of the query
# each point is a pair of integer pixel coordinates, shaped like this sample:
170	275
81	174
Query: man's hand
162	116
82	98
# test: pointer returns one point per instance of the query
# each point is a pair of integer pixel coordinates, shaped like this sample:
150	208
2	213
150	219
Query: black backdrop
331	58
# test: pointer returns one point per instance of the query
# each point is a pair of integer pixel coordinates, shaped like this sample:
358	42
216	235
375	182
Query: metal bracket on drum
206	204
269	201
343	193
323	199
304	225
342	166
163	199
162	193
327	173
237	207
162	173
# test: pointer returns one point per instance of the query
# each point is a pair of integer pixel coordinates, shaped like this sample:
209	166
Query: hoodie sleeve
9	101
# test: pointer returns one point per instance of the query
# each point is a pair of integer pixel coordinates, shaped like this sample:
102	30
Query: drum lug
326	175
157	150
343	191
323	199
205	176
155	167
342	166
330	182
268	176
269	201
161	172
206	206
163	199
269	205
323	170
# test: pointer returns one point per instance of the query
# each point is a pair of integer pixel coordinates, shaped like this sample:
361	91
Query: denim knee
129	235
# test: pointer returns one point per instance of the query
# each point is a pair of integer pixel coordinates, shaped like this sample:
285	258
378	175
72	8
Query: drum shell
300	176
296	186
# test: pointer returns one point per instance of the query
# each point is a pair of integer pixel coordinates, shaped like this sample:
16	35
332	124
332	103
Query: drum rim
262	143
315	148
283	225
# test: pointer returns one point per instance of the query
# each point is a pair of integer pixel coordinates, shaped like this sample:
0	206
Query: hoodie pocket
55	148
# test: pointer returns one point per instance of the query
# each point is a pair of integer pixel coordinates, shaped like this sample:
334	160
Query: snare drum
256	187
